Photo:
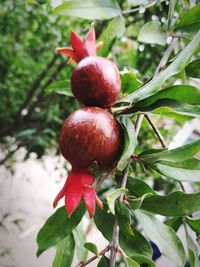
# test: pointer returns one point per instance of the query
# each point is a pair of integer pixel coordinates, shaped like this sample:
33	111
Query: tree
158	44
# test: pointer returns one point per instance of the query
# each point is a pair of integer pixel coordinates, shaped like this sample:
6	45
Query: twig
102	252
156	131
115	235
103	179
165	57
150	4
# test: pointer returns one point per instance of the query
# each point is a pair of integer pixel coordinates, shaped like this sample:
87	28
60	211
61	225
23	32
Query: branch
156	131
41	94
150	4
35	86
165	57
101	253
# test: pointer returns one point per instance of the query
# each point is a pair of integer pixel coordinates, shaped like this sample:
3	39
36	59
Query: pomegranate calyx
80	48
77	187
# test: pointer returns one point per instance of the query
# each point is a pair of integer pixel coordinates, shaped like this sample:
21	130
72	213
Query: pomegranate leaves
80	48
77	187
57	227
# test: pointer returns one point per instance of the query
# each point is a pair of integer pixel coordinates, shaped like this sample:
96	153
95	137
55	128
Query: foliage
156	46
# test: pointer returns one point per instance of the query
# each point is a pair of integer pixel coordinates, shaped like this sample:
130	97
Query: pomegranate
95	80
88	134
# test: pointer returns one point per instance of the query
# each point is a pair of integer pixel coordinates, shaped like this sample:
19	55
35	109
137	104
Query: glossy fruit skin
91	134
96	82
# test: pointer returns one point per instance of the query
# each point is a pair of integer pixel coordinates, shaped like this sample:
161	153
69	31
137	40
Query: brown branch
115	235
156	130
41	94
148	5
101	253
35	86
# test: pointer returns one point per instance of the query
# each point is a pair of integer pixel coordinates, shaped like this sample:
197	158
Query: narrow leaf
113	196
175	204
80	238
175	67
57	227
61	87
190	21
64	252
89	9
164	237
187	170
138	187
130	143
174	155
172	4
193	253
135	243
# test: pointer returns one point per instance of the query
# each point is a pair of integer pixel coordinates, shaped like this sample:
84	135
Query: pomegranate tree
95	80
90	134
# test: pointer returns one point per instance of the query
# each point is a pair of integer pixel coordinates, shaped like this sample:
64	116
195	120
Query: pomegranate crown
81	48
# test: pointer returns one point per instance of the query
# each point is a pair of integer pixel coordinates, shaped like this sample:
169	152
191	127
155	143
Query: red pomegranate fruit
95	80
88	134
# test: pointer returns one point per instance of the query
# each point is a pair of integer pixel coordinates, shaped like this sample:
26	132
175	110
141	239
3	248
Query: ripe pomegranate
88	134
95	80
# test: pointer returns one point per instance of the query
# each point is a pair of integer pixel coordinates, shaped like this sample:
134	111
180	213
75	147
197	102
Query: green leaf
25	133
104	222
194	224
181	99
104	262
115	29
164	237
174	223
187	170
138	187
64	252
152	33
190	21
141	259
136	203
124	217
113	196
193	253
61	87
130	82
193	69
135	243
91	247
175	67
172	4
80	238
89	9
175	204
130	142
132	244
174	155
57	227
131	263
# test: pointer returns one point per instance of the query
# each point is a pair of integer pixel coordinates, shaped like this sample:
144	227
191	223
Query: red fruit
88	135
91	134
95	80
